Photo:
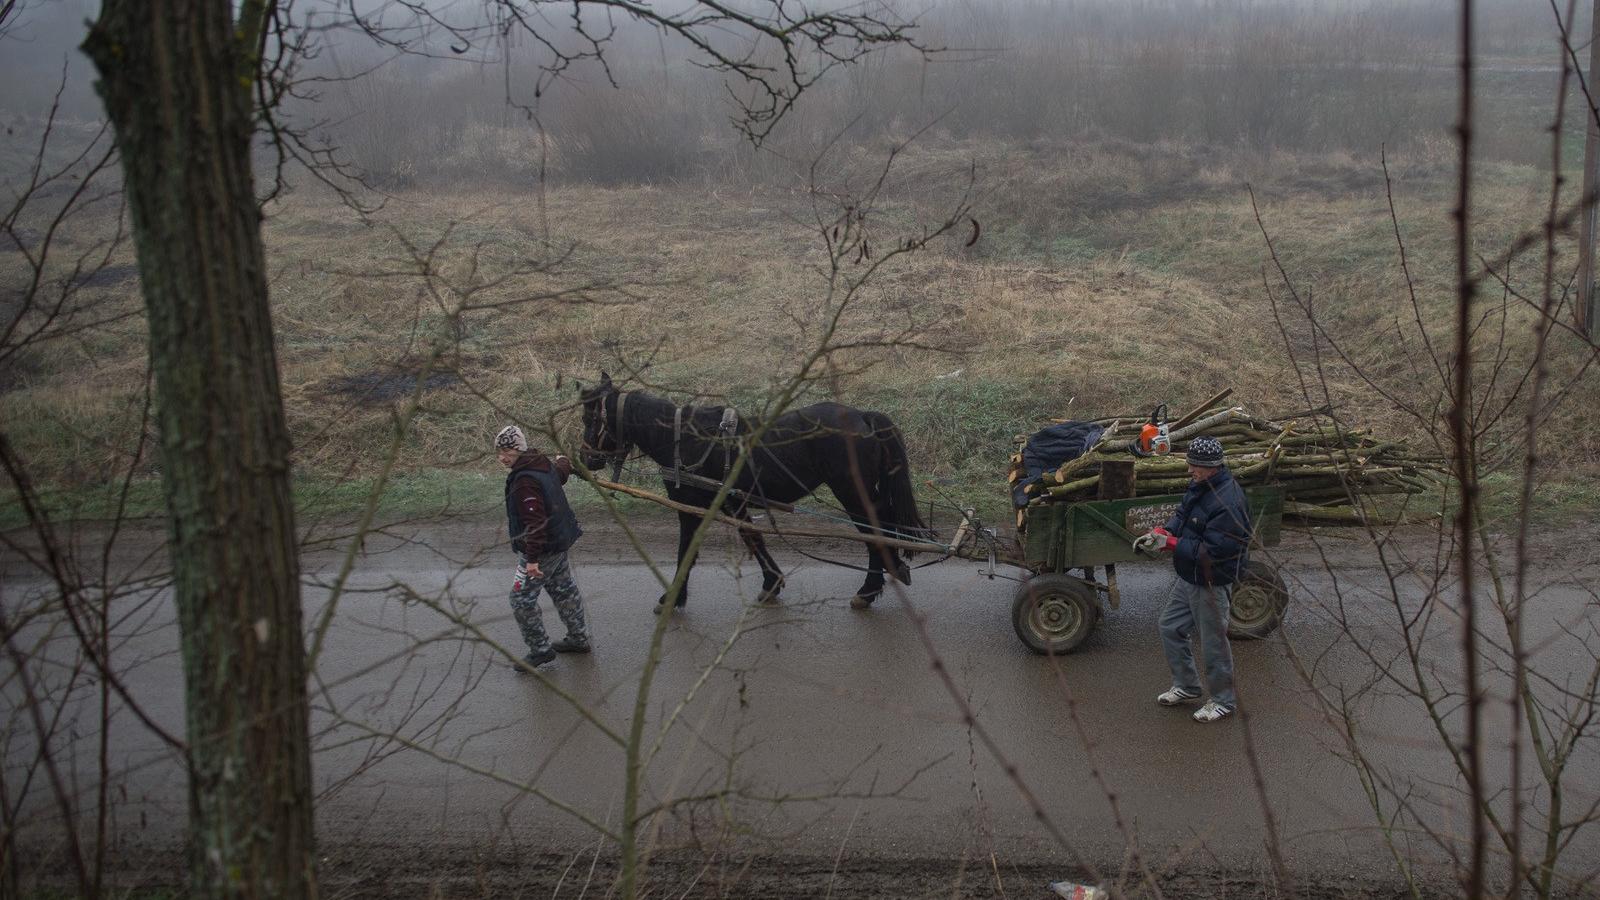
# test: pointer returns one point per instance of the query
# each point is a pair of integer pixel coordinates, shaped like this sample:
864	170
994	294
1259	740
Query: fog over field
1251	76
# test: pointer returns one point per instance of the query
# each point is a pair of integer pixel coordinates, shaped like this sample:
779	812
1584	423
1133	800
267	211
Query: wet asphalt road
821	727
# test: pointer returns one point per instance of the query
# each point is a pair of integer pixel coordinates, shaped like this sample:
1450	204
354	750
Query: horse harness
727	428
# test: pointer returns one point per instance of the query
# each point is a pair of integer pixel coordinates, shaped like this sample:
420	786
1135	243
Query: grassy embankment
1109	277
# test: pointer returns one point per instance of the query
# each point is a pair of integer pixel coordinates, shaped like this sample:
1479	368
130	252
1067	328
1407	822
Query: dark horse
859	455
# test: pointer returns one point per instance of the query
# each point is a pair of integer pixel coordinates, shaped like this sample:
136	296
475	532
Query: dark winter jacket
537	514
1212	526
1048	448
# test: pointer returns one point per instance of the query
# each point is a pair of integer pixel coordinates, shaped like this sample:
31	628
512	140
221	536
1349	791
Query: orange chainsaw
1153	439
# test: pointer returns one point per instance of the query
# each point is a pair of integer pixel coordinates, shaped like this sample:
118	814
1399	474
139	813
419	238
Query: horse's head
603	442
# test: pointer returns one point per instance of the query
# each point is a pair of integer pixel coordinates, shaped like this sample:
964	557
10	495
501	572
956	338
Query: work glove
1155	541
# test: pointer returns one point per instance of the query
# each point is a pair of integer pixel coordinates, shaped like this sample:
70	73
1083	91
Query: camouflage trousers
557	580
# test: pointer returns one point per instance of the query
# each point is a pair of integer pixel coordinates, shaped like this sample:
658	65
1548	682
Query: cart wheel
1053	613
1258	603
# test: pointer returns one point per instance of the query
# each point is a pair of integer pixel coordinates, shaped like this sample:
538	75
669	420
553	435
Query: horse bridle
621	445
620	454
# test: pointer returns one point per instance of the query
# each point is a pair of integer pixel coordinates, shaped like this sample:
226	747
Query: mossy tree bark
177	77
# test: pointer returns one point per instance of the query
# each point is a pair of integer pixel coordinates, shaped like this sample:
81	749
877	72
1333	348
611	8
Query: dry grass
1110	278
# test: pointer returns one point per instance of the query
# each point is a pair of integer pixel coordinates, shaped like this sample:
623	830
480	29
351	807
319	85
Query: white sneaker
1176	696
1212	712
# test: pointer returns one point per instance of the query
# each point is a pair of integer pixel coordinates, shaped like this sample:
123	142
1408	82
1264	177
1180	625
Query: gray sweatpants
1190	607
563	593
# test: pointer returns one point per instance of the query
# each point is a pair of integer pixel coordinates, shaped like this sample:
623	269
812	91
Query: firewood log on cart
1330	474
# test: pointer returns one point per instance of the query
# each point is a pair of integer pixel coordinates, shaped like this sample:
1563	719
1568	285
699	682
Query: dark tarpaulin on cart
1048	448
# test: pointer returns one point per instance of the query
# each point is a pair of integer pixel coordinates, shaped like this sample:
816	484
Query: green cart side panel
1063	536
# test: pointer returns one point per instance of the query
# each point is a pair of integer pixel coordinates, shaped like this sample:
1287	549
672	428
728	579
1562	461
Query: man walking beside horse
543	528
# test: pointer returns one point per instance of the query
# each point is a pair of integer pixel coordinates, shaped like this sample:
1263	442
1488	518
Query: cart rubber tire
1053	613
1258	603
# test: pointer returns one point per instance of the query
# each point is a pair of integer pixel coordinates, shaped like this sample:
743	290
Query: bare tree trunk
1585	307
1461	439
176	77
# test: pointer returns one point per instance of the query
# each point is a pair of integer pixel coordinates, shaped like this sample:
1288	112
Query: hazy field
1120	265
1109	276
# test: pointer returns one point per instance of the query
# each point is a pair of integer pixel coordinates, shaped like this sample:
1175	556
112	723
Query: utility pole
1587	309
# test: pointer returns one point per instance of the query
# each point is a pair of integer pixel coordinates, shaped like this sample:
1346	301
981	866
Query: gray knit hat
511	438
1207	452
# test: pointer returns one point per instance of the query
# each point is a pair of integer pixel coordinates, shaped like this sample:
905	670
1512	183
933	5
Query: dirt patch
372	388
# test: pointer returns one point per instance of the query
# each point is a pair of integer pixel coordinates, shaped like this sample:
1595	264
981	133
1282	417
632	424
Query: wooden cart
1054	610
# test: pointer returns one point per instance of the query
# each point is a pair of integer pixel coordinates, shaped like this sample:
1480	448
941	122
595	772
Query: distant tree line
1229	74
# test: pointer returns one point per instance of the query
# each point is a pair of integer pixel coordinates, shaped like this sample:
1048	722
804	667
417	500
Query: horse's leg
687	523
873	585
888	558
898	567
771	574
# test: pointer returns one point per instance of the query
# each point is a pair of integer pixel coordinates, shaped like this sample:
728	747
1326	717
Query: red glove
1156	540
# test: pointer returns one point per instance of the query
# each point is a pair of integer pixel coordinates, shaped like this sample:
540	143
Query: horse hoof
769	594
862	601
902	573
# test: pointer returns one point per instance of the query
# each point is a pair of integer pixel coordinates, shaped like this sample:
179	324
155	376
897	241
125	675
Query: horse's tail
894	476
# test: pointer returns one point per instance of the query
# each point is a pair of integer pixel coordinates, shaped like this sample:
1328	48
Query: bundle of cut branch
1330	474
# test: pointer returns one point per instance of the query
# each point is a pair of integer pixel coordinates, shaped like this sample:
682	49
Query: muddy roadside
360	870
